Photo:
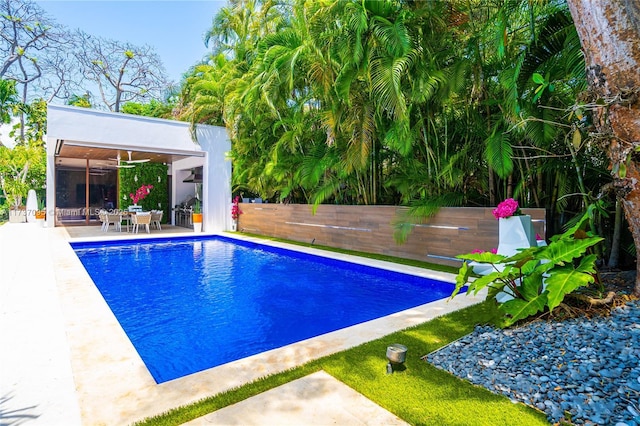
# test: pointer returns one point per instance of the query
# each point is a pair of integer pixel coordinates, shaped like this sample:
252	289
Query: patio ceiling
76	150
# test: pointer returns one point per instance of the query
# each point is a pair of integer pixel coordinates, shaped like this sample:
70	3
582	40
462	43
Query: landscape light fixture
396	354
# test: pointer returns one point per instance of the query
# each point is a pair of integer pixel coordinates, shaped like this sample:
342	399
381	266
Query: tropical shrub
536	278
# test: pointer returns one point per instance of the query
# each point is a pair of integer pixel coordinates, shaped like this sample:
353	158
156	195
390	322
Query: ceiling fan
127	164
130	161
120	165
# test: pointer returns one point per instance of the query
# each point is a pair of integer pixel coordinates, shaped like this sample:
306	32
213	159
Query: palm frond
361	140
386	81
498	153
421	210
324	192
392	36
399	137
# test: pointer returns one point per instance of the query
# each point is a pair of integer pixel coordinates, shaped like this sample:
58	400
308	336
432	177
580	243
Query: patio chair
116	219
126	217
156	217
140	218
102	215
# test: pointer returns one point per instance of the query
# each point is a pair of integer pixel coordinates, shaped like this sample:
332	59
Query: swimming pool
189	304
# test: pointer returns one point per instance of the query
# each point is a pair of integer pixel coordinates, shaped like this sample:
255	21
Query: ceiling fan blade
134	161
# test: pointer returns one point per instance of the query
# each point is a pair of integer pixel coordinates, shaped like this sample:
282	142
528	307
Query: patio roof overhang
97	151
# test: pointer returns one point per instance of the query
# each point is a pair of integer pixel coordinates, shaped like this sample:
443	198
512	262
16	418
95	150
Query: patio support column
51	186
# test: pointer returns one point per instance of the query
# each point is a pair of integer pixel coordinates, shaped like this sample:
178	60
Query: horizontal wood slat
453	231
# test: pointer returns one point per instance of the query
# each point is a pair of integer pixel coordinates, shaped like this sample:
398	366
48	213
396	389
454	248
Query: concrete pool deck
67	361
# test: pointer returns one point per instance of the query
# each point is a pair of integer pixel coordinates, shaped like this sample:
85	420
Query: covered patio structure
89	151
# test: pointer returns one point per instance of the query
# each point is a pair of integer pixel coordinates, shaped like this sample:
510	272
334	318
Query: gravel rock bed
581	371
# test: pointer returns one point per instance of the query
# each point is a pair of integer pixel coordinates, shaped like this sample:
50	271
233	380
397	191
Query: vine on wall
145	174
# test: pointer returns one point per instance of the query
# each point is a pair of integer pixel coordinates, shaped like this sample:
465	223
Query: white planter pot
197	227
234	226
17	216
515	232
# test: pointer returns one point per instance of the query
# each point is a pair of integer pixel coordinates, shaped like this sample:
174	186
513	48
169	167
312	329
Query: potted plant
196	216
17	213
534	278
235	213
515	229
41	213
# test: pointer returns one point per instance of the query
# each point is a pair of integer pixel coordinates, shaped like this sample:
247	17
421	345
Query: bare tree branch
120	71
26	35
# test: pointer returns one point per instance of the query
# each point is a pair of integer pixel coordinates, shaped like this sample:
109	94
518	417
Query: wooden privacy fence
453	231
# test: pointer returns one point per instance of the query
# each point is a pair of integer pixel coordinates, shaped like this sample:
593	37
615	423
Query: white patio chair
156	218
141	218
102	215
116	219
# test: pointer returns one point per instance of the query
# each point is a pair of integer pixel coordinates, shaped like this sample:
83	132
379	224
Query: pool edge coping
123	381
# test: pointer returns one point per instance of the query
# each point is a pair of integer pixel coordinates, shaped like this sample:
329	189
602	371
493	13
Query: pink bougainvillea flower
141	193
478	251
235	208
507	208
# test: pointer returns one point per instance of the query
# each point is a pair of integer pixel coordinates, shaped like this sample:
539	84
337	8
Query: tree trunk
614	257
610	36
492	190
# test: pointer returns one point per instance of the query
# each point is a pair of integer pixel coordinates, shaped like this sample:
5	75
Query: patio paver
317	399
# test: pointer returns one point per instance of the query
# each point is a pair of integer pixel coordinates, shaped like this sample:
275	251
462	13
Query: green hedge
145	174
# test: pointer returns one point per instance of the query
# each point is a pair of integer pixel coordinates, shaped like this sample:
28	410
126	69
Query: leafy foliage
153	108
8	100
419	104
536	278
403	94
23	167
130	179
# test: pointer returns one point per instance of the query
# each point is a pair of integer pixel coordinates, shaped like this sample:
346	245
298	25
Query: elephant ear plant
534	278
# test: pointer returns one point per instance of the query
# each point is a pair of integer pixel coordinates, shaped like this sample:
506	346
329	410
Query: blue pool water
194	303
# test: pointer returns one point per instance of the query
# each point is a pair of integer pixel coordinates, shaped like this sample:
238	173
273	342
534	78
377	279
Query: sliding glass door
83	187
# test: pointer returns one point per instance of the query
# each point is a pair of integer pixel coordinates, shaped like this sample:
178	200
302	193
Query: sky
174	28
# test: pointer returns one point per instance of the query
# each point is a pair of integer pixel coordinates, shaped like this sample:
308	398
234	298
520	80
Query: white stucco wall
129	132
217	198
